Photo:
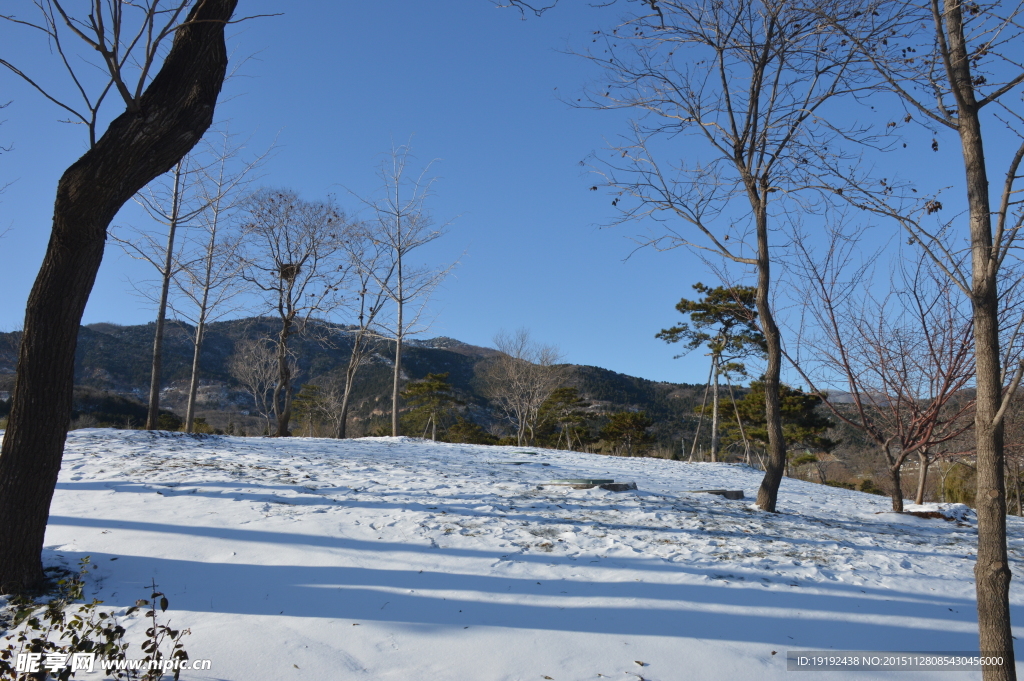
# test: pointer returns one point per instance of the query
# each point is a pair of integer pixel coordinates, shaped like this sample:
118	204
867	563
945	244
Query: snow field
397	558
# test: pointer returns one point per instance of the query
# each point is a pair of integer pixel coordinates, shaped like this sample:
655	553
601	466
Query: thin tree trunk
942	483
399	335
768	494
176	110
283	389
397	383
714	410
922	476
700	419
201	325
1017	485
193	386
350	376
739	421
153	415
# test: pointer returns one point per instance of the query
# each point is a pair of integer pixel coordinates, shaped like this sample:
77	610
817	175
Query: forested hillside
114	360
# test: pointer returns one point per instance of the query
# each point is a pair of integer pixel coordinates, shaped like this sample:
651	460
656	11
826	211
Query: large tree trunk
175	111
991	572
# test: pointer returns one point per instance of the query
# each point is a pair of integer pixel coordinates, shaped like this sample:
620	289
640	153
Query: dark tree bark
174	112
896	480
283	389
775	462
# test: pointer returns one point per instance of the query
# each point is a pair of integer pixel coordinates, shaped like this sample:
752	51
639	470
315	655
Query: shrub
84	421
868	485
169	421
54	628
468	432
844	485
960	485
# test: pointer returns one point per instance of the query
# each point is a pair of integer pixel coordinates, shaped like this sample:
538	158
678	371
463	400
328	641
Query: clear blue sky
474	86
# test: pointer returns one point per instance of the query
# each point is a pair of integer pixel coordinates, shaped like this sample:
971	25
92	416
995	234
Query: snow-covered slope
396	558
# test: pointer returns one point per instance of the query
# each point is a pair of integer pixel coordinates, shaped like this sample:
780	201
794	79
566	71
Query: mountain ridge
116	359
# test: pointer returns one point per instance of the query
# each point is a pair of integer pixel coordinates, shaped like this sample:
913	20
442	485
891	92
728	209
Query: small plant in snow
56	631
157	635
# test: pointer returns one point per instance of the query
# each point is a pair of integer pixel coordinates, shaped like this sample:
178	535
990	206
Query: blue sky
478	88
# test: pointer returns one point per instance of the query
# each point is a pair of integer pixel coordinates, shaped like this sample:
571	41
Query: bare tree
401	224
323	401
295	259
372	271
3	150
742	81
208	276
164	116
254	366
901	363
520	379
950	63
167	203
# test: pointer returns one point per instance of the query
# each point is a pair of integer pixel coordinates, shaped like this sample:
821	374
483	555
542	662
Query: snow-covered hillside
395	558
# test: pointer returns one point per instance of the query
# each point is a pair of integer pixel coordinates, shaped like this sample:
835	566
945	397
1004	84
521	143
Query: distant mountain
116	359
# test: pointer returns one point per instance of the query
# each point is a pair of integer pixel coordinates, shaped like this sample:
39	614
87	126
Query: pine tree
469	432
563	417
432	401
803	425
628	429
725	321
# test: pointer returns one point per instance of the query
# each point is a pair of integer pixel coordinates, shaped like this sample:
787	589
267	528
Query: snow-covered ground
396	558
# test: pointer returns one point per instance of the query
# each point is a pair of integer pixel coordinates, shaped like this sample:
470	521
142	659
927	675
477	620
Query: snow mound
958	512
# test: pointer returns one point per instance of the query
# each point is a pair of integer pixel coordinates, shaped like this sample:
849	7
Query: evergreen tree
308	407
628	429
803	425
469	432
563	417
432	401
725	321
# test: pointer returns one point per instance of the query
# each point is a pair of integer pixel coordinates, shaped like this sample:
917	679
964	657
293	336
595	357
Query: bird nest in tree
289	271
